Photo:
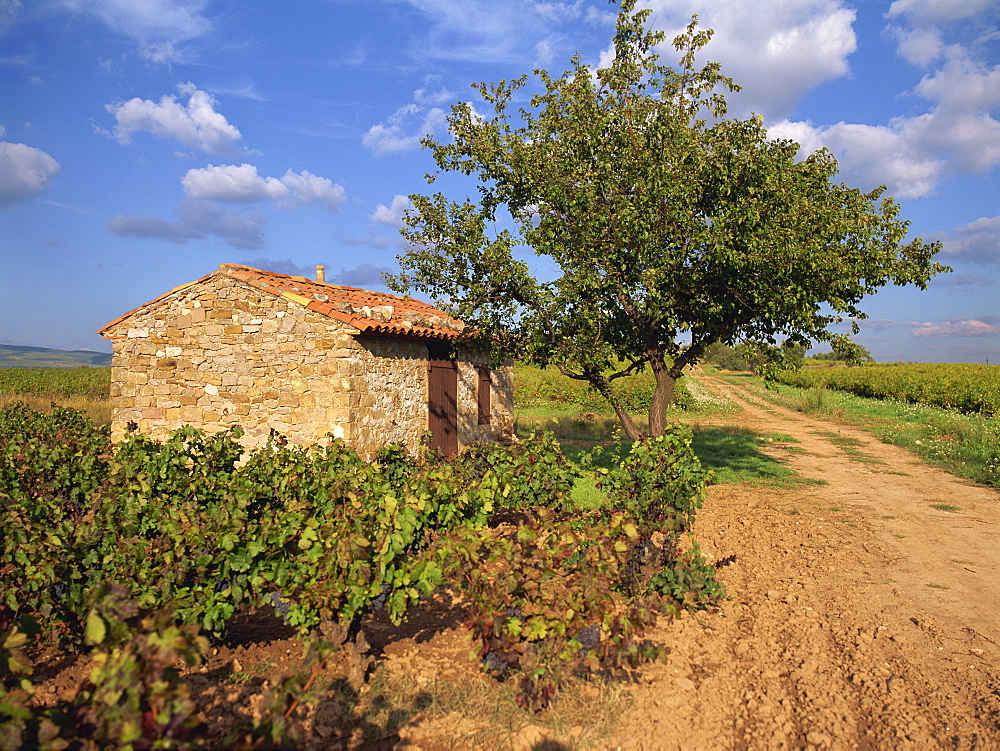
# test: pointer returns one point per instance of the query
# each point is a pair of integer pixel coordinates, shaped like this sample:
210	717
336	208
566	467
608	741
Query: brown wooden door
442	404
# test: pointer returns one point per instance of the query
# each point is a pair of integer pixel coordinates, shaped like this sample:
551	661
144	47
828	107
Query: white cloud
483	31
392	215
198	216
24	172
938	11
196	219
195	124
956	328
157	26
870	155
912	155
917	46
304	188
978	241
962	83
777	51
399	134
242	184
432	92
236	184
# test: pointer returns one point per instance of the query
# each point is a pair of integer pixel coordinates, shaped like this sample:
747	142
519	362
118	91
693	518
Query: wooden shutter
442	403
483	395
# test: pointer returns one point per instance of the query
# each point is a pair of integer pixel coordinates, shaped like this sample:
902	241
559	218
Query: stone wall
390	389
501	425
220	353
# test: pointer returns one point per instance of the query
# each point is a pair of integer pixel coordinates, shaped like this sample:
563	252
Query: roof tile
373	313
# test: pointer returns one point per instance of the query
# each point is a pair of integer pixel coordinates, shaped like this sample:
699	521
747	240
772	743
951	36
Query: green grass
849	446
734	455
965	445
945	507
589	432
85	389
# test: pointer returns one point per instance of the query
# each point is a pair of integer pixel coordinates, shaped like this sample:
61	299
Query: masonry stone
222	352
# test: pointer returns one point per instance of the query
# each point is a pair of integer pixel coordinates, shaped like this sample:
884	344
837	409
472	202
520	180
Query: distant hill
42	357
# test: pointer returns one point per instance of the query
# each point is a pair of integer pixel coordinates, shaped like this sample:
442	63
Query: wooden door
442	404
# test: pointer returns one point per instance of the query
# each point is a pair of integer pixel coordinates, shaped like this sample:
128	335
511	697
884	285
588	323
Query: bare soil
863	612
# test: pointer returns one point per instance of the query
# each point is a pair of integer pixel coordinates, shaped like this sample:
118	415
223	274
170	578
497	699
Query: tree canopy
660	225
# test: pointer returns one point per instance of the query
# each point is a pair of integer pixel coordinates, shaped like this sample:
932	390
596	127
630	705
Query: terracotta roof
372	313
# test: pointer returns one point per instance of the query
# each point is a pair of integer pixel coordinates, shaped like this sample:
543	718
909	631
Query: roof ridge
365	311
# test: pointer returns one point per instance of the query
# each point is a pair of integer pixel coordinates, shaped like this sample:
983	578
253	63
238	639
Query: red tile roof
372	313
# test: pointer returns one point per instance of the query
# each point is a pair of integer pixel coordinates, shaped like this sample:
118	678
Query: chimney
321	273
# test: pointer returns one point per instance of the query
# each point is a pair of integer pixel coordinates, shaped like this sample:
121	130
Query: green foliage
133	697
535	386
195	527
768	361
689	582
854	355
669	225
661	481
531	474
727	357
546	600
965	387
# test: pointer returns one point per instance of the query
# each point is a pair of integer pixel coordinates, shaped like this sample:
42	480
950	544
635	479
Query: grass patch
733	454
479	712
939	586
781	438
849	446
945	507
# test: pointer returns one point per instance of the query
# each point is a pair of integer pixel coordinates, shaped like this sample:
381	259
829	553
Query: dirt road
861	616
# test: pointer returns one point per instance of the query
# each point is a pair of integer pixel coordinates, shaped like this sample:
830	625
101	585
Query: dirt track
859	617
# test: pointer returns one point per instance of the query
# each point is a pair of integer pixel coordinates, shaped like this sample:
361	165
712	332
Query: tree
667	226
853	356
726	357
767	361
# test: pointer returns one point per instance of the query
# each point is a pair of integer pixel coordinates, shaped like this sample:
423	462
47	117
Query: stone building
305	359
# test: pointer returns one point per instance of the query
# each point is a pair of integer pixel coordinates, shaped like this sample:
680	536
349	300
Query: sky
144	142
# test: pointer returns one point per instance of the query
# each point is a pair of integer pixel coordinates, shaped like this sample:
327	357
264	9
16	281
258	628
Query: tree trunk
604	388
663	395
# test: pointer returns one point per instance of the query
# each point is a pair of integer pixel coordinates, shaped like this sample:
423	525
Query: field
966	388
862	588
85	389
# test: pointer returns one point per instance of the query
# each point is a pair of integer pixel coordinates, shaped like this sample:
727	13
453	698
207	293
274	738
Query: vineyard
93	383
967	388
143	554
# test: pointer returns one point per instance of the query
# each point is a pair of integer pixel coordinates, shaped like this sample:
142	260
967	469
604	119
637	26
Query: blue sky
143	142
